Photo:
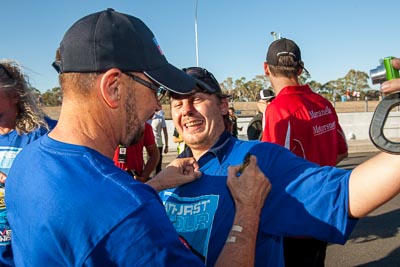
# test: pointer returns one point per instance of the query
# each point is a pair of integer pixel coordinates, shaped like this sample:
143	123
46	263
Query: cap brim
210	89
173	79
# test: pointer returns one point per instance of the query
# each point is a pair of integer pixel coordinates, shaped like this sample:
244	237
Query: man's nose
187	108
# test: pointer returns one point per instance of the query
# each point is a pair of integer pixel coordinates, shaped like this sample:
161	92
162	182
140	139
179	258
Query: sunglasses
202	75
6	75
160	90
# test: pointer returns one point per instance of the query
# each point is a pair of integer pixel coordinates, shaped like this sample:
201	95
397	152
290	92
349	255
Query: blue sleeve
145	238
306	199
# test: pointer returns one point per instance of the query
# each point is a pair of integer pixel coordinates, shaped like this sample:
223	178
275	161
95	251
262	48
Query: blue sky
233	36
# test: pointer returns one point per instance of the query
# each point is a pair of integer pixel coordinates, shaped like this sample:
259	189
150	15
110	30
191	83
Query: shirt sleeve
306	199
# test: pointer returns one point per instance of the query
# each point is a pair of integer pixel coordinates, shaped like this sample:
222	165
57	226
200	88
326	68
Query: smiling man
306	199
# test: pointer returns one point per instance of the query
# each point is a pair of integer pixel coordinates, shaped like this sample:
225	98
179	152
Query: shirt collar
219	149
295	89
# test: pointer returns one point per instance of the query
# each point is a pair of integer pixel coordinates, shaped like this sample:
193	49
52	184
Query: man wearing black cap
306	199
305	123
68	204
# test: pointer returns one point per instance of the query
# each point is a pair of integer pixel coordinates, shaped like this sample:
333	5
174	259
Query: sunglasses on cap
206	79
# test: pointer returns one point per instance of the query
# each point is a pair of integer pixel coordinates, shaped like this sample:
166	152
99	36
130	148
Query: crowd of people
83	187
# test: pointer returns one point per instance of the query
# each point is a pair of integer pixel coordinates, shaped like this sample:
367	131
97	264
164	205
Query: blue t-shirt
10	145
305	200
69	205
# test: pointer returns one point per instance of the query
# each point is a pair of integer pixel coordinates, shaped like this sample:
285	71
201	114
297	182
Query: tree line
353	86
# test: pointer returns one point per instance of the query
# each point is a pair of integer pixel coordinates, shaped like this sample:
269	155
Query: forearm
373	183
240	245
150	166
165	136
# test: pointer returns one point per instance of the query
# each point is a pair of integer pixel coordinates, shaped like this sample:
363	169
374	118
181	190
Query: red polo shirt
306	123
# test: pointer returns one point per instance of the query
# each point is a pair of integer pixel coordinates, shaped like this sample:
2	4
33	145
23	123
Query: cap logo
158	46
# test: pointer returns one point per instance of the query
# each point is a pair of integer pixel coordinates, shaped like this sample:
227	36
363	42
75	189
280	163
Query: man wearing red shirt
305	123
131	158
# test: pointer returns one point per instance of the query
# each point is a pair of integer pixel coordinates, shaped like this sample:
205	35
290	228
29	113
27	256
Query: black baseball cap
109	39
283	47
206	81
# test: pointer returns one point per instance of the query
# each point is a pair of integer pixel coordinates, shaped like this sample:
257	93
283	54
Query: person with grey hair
21	122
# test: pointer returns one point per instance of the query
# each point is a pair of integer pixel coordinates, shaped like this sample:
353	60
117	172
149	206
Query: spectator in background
180	144
131	158
159	126
305	123
234	119
21	122
255	127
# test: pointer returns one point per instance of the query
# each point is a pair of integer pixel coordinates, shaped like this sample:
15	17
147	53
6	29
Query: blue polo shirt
305	200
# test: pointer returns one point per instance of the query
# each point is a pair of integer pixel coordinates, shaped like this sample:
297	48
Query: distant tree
53	97
264	80
305	75
355	81
315	86
227	85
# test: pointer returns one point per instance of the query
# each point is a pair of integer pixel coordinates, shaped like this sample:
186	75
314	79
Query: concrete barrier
354	124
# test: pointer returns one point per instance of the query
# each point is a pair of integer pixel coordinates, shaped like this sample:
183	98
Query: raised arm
377	180
373	183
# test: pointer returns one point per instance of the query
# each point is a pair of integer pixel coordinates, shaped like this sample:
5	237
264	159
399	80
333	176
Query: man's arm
151	163
164	129
377	180
373	183
249	192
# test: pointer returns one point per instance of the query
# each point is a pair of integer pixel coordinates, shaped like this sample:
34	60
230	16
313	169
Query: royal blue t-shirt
69	205
305	200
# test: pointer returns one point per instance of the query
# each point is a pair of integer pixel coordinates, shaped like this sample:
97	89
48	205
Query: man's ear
266	69
110	87
299	71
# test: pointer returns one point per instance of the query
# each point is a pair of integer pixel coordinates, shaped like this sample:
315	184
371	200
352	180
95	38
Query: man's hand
178	172
249	192
392	85
251	188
